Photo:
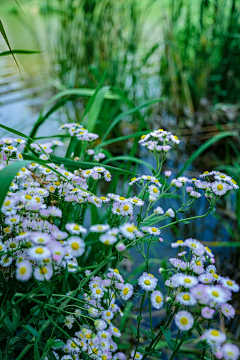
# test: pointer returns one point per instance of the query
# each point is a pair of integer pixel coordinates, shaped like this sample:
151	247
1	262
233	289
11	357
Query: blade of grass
205	146
126	113
2	31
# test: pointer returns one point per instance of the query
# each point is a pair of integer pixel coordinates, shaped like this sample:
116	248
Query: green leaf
126	113
7	175
204	147
16	315
71	147
63	97
134	330
86	165
2	31
36	351
31	330
57	344
129	158
202	344
4	319
24	52
168	336
148	333
96	107
122	138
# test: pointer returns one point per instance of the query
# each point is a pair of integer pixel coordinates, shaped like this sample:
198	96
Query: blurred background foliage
170	64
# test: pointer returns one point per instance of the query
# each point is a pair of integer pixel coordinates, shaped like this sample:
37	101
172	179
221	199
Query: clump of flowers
59	264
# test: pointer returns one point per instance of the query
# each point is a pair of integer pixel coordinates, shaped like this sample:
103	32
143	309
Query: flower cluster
97	341
46	236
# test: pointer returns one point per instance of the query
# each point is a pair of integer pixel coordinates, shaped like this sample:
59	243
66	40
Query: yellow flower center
108	313
28	197
98	291
143	136
76	227
188	281
134	178
219	186
215	293
179	242
75	246
158	299
43	270
125	291
215	333
147	282
22	270
154	229
57	183
230	283
175	137
198	263
39	250
186	297
155	190
88	336
12	245
122	198
125	207
184	321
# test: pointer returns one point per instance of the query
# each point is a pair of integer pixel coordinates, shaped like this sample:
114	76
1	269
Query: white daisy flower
76	246
187	281
75	229
218	294
107	239
24	270
137	356
43	273
230	284
126	291
6	261
40	238
154	191
186	298
107	315
230	351
97	293
39	253
184	320
100	228
213	335
136	201
219	188
126	209
157	299
147	282
115	331
128	230
196	247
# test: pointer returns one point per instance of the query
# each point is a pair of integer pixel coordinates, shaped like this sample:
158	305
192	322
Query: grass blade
205	146
23	52
96	108
2	31
122	138
7	175
126	113
129	158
